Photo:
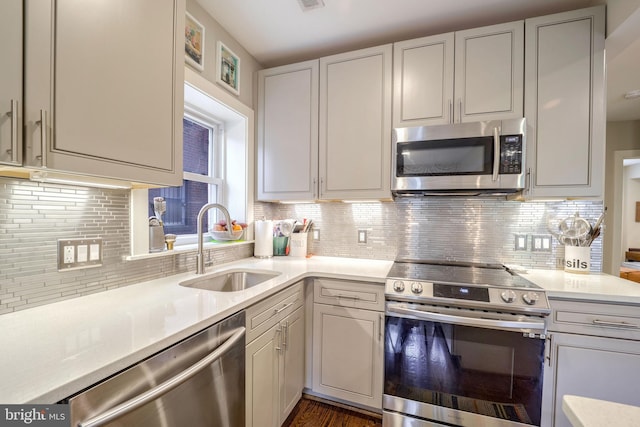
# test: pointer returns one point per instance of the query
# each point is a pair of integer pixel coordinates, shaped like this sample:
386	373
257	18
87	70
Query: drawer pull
353	297
284	307
626	325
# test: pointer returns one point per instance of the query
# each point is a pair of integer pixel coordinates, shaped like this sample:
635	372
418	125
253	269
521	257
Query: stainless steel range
464	345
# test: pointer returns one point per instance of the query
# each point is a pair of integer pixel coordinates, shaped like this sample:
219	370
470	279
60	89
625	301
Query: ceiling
278	32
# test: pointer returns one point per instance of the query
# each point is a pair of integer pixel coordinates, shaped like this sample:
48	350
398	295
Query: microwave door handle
496	152
159	390
505	325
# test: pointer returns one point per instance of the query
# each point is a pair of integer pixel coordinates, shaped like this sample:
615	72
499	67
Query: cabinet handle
13	151
281	309
620	324
315	187
43	138
320	188
285	333
527	186
279	332
380	327
450	111
460	110
353	297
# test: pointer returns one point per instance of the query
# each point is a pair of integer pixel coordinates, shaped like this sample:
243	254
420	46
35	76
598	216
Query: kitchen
393	229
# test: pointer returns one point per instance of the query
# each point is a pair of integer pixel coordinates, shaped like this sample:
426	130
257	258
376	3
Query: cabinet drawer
364	295
606	320
266	313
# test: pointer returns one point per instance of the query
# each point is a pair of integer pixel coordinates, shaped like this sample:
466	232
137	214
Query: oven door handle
505	325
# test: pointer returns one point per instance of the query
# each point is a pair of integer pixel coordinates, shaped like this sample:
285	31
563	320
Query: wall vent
306	5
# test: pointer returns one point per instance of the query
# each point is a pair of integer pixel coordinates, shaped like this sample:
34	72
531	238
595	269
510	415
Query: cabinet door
262	379
11	82
423	81
489	76
288	132
110	103
347	354
291	362
565	107
600	368
355	124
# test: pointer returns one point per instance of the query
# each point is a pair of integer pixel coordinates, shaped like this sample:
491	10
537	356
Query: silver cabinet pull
13	151
496	153
285	333
450	111
43	138
279	332
315	187
161	389
281	309
460	110
620	324
380	327
345	296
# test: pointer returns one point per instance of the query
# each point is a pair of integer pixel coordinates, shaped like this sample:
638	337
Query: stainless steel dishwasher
197	382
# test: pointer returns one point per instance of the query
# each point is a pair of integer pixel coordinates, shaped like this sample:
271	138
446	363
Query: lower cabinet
595	367
595	353
275	370
348	352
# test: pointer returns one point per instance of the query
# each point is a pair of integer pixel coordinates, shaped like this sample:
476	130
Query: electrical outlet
316	234
69	254
362	236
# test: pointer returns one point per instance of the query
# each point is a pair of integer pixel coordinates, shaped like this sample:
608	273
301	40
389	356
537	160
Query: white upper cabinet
288	132
565	105
466	76
423	81
355	124
104	88
11	12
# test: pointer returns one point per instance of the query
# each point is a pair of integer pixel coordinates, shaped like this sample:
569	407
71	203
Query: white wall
213	33
630	228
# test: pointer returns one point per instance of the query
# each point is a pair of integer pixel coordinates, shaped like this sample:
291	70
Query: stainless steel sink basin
230	280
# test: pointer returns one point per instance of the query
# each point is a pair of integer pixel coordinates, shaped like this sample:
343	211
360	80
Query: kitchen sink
230	280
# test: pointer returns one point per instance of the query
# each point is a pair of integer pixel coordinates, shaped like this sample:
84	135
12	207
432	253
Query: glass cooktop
458	272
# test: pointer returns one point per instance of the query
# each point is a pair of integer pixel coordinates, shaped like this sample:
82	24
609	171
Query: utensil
575	229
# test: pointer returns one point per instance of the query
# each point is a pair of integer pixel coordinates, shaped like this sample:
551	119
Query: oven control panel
475	296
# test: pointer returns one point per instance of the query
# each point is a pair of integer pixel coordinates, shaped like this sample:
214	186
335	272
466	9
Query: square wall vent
306	5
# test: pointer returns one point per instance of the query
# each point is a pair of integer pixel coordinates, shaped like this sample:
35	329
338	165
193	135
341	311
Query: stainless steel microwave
463	158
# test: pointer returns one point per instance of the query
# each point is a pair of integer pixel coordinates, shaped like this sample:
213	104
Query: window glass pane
196	147
183	205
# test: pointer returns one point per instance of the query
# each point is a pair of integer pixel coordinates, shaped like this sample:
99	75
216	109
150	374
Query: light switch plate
520	242
362	236
79	253
541	243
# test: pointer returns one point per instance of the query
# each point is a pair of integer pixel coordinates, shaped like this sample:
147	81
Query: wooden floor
313	413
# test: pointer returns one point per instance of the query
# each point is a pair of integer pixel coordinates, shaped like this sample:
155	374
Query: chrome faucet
203	210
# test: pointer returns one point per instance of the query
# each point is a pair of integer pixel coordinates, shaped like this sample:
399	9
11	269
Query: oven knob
416	287
530	298
508	296
398	286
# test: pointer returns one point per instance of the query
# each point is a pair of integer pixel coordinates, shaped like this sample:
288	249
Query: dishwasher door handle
150	395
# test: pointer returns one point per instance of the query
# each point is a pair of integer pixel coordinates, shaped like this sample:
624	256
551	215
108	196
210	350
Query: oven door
461	367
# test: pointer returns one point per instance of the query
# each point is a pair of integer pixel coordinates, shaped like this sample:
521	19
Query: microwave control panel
511	154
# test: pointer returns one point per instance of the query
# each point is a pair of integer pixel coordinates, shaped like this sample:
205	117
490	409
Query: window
202	182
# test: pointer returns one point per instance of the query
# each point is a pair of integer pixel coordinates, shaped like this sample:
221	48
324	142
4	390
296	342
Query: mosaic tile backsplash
33	216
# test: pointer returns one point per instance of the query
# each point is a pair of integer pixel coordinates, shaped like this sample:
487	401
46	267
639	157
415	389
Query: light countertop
586	412
53	351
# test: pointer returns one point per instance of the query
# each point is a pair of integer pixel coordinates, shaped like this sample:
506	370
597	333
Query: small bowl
224	235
